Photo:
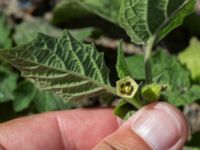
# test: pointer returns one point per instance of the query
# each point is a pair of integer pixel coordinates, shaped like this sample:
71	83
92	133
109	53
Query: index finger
74	129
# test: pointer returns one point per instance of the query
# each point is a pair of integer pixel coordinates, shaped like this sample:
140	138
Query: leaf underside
143	19
71	69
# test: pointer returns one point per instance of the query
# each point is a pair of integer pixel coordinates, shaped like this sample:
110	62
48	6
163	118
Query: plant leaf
68	9
63	65
190	57
49	101
190	148
165	68
122	109
183	98
82	34
5	41
167	71
24	94
107	9
136	66
121	66
27	31
8	83
143	19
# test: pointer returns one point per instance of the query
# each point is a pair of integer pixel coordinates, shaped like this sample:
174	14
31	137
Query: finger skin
81	130
71	130
126	138
123	139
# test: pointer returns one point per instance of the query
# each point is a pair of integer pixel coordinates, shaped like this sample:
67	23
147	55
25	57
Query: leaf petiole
135	102
147	59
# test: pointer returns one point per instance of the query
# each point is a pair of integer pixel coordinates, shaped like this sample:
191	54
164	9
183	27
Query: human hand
158	126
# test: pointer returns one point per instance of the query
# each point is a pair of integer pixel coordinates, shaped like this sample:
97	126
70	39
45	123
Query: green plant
76	71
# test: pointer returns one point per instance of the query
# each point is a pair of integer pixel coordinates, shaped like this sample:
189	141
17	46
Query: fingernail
158	126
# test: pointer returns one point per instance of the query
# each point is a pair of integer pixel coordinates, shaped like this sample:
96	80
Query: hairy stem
147	60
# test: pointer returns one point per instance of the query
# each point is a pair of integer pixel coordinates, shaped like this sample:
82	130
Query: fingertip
161	125
158	126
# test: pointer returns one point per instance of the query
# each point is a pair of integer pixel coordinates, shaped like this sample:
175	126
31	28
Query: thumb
158	126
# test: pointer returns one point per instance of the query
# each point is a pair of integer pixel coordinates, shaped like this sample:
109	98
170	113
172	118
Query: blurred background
21	20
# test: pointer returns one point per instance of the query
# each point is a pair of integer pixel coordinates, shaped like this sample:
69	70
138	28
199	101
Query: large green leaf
190	57
67	9
71	69
167	70
107	9
143	19
5	41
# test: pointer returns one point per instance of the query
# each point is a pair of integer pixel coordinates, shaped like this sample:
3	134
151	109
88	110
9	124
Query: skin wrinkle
2	147
78	119
108	146
62	133
128	140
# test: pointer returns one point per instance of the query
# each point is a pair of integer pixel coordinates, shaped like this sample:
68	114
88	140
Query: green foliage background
90	20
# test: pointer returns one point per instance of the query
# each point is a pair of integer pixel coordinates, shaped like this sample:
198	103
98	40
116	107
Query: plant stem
136	103
147	61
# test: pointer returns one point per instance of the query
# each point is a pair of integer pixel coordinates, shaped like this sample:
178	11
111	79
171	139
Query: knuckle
2	147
